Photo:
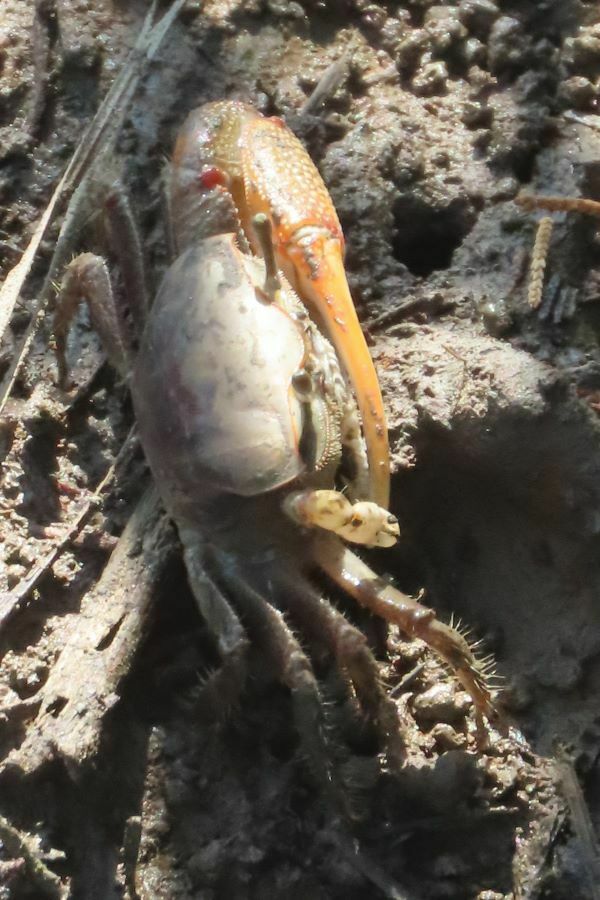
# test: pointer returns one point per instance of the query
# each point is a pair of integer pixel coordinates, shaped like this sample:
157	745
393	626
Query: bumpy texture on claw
265	169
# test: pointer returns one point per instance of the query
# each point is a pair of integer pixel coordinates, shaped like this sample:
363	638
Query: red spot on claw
276	120
211	177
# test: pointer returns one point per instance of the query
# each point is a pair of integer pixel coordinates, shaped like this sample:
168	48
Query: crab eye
303	384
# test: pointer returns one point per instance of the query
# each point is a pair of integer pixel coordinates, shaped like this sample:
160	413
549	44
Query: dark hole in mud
523	164
57	706
39	493
425	236
109	636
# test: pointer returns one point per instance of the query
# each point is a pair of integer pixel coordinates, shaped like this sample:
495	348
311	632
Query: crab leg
86	277
329	627
374	593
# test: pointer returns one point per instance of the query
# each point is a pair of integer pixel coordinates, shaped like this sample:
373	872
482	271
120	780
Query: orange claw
267	170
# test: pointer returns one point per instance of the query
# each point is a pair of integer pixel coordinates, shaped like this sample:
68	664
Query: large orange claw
266	169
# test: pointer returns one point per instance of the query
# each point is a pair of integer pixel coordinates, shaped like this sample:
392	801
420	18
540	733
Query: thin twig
407	680
352	852
433	303
582	823
588	121
559	204
328	83
463	379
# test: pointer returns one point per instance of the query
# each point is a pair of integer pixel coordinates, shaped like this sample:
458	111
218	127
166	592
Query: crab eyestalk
264	233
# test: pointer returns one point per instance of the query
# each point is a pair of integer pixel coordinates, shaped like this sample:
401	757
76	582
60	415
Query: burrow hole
426	237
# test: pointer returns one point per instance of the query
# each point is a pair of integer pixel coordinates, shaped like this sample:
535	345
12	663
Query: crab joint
362	522
264	233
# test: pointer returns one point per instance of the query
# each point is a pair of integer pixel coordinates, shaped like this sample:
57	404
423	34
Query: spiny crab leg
385	601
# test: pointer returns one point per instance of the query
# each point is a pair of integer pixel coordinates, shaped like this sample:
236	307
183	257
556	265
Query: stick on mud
538	262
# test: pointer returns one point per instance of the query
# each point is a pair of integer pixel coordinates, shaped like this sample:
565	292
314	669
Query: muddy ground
442	114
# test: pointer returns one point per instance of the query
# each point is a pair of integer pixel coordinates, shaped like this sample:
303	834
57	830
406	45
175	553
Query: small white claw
362	522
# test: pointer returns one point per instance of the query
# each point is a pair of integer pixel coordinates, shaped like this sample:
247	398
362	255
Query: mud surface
443	113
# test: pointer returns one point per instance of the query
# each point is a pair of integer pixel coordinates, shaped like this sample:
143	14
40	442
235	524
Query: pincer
229	151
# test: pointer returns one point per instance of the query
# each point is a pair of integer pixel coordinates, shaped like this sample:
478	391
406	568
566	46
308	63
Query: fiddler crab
261	417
